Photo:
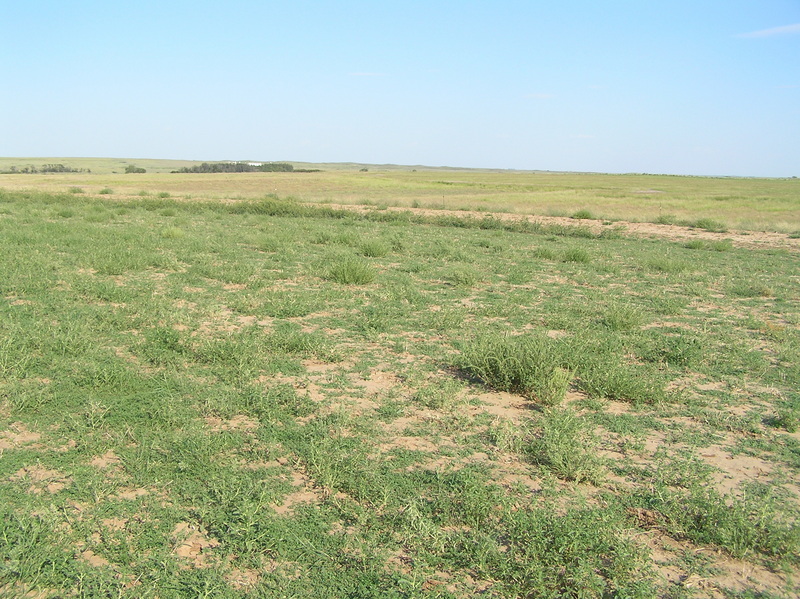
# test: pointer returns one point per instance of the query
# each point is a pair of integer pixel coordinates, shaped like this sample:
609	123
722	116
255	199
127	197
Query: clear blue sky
702	87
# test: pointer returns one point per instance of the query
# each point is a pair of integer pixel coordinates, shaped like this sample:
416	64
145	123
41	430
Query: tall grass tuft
527	365
351	271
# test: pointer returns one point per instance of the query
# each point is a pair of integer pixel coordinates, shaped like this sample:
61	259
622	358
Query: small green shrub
721	245
622	317
666	265
709	224
172	233
566	447
163	194
544	253
576	255
787	419
106	191
322	238
286	304
351	271
373	248
527	365
438	395
462	276
579	552
506	435
583	215
745	289
609	378
666	219
740	525
685	351
76	190
347	238
695	244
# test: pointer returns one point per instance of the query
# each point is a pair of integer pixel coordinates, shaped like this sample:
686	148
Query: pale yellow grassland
747	203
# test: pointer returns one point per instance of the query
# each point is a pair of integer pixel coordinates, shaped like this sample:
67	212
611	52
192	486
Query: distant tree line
238	167
45	168
132	168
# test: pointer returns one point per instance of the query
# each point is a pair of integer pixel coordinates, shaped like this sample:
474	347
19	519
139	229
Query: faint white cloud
540	96
784	30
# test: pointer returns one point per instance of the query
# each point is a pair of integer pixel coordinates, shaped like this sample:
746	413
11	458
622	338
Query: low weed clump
709	224
623	317
564	445
172	233
746	289
574	552
579	255
374	249
753	523
583	215
351	271
463	276
525	364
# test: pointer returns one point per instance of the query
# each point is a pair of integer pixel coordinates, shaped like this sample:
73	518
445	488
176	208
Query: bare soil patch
42	479
193	544
17	436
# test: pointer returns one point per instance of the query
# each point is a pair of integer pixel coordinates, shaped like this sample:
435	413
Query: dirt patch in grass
193	544
17	436
237	423
503	405
243	579
129	494
108	461
305	493
42	479
704	572
91	558
410	443
735	470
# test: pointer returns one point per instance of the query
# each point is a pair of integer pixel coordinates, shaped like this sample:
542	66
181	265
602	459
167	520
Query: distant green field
740	203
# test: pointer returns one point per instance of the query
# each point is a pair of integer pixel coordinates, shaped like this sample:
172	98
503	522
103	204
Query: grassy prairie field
237	395
738	203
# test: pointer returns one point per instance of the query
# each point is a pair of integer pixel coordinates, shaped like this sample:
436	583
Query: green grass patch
260	397
527	365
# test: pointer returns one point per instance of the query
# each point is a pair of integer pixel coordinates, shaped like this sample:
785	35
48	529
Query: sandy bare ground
739	238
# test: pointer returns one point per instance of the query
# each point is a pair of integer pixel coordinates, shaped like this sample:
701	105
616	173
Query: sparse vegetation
261	397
